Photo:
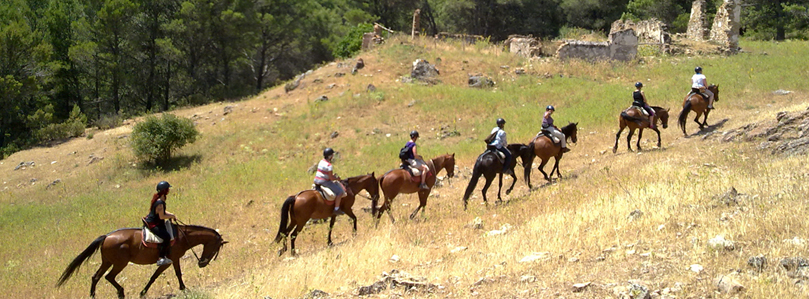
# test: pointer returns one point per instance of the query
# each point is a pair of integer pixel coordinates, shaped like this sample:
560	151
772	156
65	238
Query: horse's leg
489	179
96	277
155	275
541	166
527	171
353	217
389	208
292	225
513	182
659	145
117	268
705	118
499	186
331	225
696	120
422	202
556	166
640	136
618	136
629	139
295	236
179	273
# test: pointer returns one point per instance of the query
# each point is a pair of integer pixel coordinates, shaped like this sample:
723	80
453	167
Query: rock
94	159
371	88
729	198
727	284
318	80
358	66
338	75
458	249
696	268
757	262
317	294
423	70
781	92
412	102
719	242
23	165
322	98
793	263
479	81
535	257
330	86
573	259
375	288
503	230
634	215
580	287
334	134
519	71
796	241
637	291
57	181
528	278
394	258
294	84
477	223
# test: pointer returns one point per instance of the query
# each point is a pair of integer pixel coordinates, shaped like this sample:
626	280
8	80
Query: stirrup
424	186
565	150
163	261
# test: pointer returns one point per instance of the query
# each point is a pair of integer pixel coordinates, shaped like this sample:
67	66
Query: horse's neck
435	163
195	235
357	185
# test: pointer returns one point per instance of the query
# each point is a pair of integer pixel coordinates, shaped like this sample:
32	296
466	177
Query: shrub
108	121
352	42
154	139
72	127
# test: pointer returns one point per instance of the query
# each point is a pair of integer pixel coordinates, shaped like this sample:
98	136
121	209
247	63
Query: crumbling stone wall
651	31
466	38
725	29
698	23
525	46
622	45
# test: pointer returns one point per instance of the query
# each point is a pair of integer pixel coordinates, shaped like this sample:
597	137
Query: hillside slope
583	226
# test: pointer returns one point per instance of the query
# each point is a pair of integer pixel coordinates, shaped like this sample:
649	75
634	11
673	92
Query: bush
352	42
154	139
73	127
108	121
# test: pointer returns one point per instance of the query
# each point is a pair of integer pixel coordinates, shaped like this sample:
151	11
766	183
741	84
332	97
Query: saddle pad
415	171
150	240
642	111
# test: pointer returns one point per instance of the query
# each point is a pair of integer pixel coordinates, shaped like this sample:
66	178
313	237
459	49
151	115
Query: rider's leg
165	247
338	198
710	98
651	116
507	160
558	134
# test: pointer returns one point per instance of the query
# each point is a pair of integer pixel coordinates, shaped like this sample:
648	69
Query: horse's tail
83	257
286	211
628	117
683	115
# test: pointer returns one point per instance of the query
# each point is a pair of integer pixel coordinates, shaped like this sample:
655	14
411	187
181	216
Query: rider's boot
565	150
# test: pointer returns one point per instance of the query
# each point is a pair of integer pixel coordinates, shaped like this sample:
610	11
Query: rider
699	85
547	124
414	160
325	178
156	221
639	100
501	144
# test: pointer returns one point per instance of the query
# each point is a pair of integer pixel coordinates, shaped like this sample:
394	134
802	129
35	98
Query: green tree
593	14
154	139
771	19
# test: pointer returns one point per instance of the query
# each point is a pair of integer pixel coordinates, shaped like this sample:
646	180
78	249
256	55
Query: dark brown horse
543	147
124	246
698	104
488	165
634	120
309	204
398	181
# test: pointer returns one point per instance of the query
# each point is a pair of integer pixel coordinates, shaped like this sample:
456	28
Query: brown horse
309	204
634	120
398	181
698	104
489	166
544	148
124	246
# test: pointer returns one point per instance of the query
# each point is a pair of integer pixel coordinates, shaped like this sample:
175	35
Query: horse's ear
453	155
373	173
225	242
668	109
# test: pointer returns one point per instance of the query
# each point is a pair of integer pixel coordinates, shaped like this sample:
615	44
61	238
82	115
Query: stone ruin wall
726	25
698	23
650	31
623	46
525	46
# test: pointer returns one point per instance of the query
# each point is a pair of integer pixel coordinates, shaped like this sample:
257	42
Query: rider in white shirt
699	84
501	144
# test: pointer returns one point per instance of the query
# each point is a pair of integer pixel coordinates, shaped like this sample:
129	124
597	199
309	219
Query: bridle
187	243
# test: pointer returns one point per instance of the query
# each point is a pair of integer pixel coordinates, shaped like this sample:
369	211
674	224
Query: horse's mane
199	227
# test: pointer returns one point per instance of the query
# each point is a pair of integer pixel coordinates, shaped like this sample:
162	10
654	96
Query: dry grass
236	176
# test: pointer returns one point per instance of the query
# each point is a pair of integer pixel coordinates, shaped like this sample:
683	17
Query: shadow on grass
173	164
710	128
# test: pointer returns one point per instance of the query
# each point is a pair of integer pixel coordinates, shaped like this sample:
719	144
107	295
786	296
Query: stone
651	31
227	110
696	268
727	23
623	45
330	86
24	164
781	92
476	223
635	215
535	257
525	46
318	80
371	88
322	98
458	249
338	75
294	84
480	81
423	70
503	230
394	258
793	263
519	71
727	284
334	134
412	102
54	183
637	291
375	288
580	287
757	262
698	22
719	242
528	278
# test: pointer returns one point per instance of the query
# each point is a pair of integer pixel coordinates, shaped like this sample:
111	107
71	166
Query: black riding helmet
414	134
550	107
328	152
501	121
638	85
163	185
698	70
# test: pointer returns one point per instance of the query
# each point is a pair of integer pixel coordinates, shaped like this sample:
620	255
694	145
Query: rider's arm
163	214
415	153
546	114
644	97
705	82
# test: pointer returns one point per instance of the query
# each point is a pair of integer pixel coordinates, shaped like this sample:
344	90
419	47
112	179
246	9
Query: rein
185	236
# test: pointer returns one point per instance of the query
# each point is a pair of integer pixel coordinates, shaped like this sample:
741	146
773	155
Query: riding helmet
638	85
501	121
550	107
328	152
414	134
698	70
163	185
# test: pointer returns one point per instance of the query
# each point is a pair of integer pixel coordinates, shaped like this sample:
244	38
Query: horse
399	181
309	204
488	165
124	246
633	120
695	102
544	148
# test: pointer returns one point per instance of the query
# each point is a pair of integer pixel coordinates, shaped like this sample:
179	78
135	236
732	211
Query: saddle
150	240
641	109
500	156
415	173
325	192
700	91
546	133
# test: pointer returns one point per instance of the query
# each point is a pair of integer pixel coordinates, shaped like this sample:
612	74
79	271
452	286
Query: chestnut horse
634	120
698	104
488	165
124	246
309	204
543	147
399	181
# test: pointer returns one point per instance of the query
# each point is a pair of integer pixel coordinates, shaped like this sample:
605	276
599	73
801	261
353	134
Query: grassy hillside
235	177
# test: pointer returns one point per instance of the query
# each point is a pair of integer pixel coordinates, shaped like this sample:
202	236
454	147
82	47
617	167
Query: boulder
480	81
423	70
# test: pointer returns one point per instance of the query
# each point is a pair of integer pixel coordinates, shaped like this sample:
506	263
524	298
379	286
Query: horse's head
715	90
211	247
663	115
366	182
570	131
449	164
